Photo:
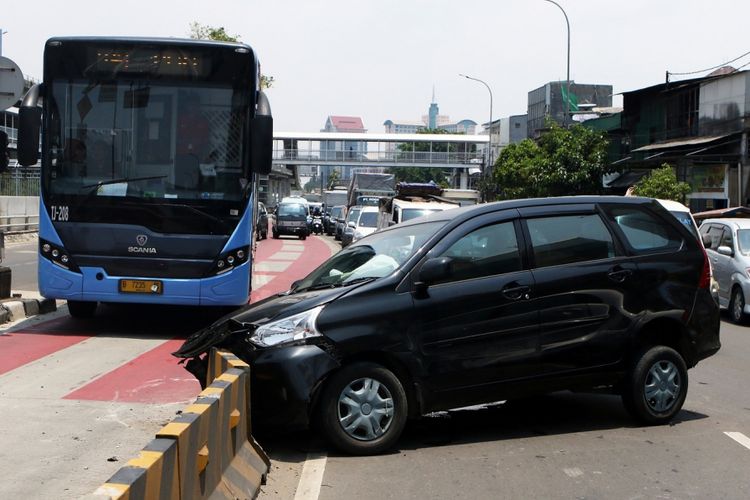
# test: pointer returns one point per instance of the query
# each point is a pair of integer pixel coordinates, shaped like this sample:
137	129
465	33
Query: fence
20	181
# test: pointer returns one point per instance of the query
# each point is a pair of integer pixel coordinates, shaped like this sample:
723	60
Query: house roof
693	141
347	122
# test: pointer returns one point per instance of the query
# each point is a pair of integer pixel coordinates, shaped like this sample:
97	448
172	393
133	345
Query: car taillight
705	279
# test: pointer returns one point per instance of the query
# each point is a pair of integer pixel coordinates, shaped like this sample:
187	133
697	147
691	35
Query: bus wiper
201	212
118	181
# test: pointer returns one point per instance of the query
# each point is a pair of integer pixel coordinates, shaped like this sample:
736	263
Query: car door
721	265
475	327
583	287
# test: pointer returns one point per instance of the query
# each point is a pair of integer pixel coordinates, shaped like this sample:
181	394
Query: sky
381	59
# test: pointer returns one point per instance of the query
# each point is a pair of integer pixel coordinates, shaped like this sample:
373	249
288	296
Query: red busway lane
316	252
153	377
22	347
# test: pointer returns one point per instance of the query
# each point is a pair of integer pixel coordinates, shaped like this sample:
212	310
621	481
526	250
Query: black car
480	304
261	224
291	218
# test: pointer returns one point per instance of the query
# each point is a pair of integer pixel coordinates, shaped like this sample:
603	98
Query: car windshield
368	219
292	210
353	214
413	213
743	240
376	256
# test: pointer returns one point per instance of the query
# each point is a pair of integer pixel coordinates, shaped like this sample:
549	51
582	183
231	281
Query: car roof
736	223
673	205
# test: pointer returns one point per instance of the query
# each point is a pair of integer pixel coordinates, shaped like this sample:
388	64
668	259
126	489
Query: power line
707	69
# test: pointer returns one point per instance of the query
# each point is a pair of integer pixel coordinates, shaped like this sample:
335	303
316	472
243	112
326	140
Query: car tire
303	237
81	309
737	306
656	386
376	414
264	235
275	234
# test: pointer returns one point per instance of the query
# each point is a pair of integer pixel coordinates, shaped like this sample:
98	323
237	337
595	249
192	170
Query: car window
292	209
368	219
714	232
743	241
569	238
645	232
487	251
353	214
685	219
726	238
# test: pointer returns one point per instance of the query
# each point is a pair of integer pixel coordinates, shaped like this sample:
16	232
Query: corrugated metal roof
693	141
347	122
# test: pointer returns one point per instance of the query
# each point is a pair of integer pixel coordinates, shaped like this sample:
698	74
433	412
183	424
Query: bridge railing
417	157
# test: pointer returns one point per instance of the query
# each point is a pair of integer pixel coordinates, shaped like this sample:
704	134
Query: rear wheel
362	409
303	236
81	309
275	234
657	386
737	306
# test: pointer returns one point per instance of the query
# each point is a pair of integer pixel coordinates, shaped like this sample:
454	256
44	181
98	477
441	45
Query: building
342	150
549	101
700	127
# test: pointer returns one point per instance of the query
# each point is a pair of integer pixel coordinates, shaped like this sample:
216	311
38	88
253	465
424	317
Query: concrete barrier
215	455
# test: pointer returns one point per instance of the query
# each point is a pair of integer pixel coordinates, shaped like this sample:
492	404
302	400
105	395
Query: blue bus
150	154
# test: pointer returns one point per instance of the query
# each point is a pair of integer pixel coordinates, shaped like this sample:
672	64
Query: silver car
729	252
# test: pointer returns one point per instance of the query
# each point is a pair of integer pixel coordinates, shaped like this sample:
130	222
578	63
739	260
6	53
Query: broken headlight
293	329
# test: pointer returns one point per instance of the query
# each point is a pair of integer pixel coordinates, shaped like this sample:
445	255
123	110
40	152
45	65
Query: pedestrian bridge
380	150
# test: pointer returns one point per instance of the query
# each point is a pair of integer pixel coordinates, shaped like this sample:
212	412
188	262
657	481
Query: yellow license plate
141	286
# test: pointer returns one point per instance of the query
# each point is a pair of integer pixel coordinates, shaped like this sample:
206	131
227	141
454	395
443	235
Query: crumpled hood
248	317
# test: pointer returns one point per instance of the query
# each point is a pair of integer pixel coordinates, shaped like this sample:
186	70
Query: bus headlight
57	255
229	260
293	329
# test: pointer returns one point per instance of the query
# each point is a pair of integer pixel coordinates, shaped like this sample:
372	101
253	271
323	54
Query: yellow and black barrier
206	452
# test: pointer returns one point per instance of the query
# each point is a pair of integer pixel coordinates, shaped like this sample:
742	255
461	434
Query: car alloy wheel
365	409
737	306
362	409
656	386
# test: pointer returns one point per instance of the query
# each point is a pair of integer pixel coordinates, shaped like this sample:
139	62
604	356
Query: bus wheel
81	309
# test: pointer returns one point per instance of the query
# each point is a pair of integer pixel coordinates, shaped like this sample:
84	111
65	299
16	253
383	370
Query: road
96	391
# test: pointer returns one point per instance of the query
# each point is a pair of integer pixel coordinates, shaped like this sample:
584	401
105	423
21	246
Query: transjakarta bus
150	150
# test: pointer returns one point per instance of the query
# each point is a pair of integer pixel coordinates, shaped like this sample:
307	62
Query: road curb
15	309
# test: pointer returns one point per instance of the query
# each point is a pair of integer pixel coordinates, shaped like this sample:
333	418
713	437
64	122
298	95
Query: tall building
342	150
549	101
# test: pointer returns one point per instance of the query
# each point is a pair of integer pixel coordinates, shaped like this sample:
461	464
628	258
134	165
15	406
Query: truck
412	200
334	198
365	188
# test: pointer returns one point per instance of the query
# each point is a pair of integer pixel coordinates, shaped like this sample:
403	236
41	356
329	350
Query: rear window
686	220
287	210
645	232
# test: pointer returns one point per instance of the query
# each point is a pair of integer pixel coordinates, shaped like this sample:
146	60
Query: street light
489	129
567	74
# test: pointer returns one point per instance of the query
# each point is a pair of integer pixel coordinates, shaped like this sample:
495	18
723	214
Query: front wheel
657	386
737	306
80	309
303	237
275	234
362	409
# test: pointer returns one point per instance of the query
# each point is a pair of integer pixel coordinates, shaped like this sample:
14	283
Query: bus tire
81	309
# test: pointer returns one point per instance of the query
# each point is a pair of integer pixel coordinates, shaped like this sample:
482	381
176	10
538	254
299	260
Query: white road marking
740	438
311	478
574	472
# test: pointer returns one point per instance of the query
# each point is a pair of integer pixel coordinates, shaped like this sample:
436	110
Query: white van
398	210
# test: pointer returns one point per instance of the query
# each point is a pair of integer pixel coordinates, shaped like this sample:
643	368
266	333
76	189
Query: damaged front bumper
284	383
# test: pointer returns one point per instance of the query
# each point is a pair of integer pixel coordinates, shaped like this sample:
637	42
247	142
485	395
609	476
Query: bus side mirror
29	125
261	137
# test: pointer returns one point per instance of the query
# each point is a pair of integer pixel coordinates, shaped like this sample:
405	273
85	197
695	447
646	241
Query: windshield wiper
324	286
360	280
118	181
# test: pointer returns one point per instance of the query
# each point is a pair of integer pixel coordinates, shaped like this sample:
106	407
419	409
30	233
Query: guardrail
15	223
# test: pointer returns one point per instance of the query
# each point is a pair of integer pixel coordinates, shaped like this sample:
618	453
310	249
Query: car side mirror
261	137
352	225
436	269
706	240
725	250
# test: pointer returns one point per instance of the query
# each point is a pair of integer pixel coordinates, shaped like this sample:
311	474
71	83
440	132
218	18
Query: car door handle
516	292
619	275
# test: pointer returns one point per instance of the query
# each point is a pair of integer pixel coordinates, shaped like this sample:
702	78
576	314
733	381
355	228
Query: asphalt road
65	415
21	258
564	445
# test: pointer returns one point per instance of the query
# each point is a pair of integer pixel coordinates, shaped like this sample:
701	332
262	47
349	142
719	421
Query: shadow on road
554	414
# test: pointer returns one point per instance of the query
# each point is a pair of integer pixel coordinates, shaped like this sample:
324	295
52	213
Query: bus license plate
140	286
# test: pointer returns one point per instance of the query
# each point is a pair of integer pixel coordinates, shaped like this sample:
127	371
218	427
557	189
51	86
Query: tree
423	174
205	32
662	183
333	179
563	161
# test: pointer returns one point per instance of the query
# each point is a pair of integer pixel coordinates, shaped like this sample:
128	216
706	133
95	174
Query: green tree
424	174
563	161
662	183
200	31
333	179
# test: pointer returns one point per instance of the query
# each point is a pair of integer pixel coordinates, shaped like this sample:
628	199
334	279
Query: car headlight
297	328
